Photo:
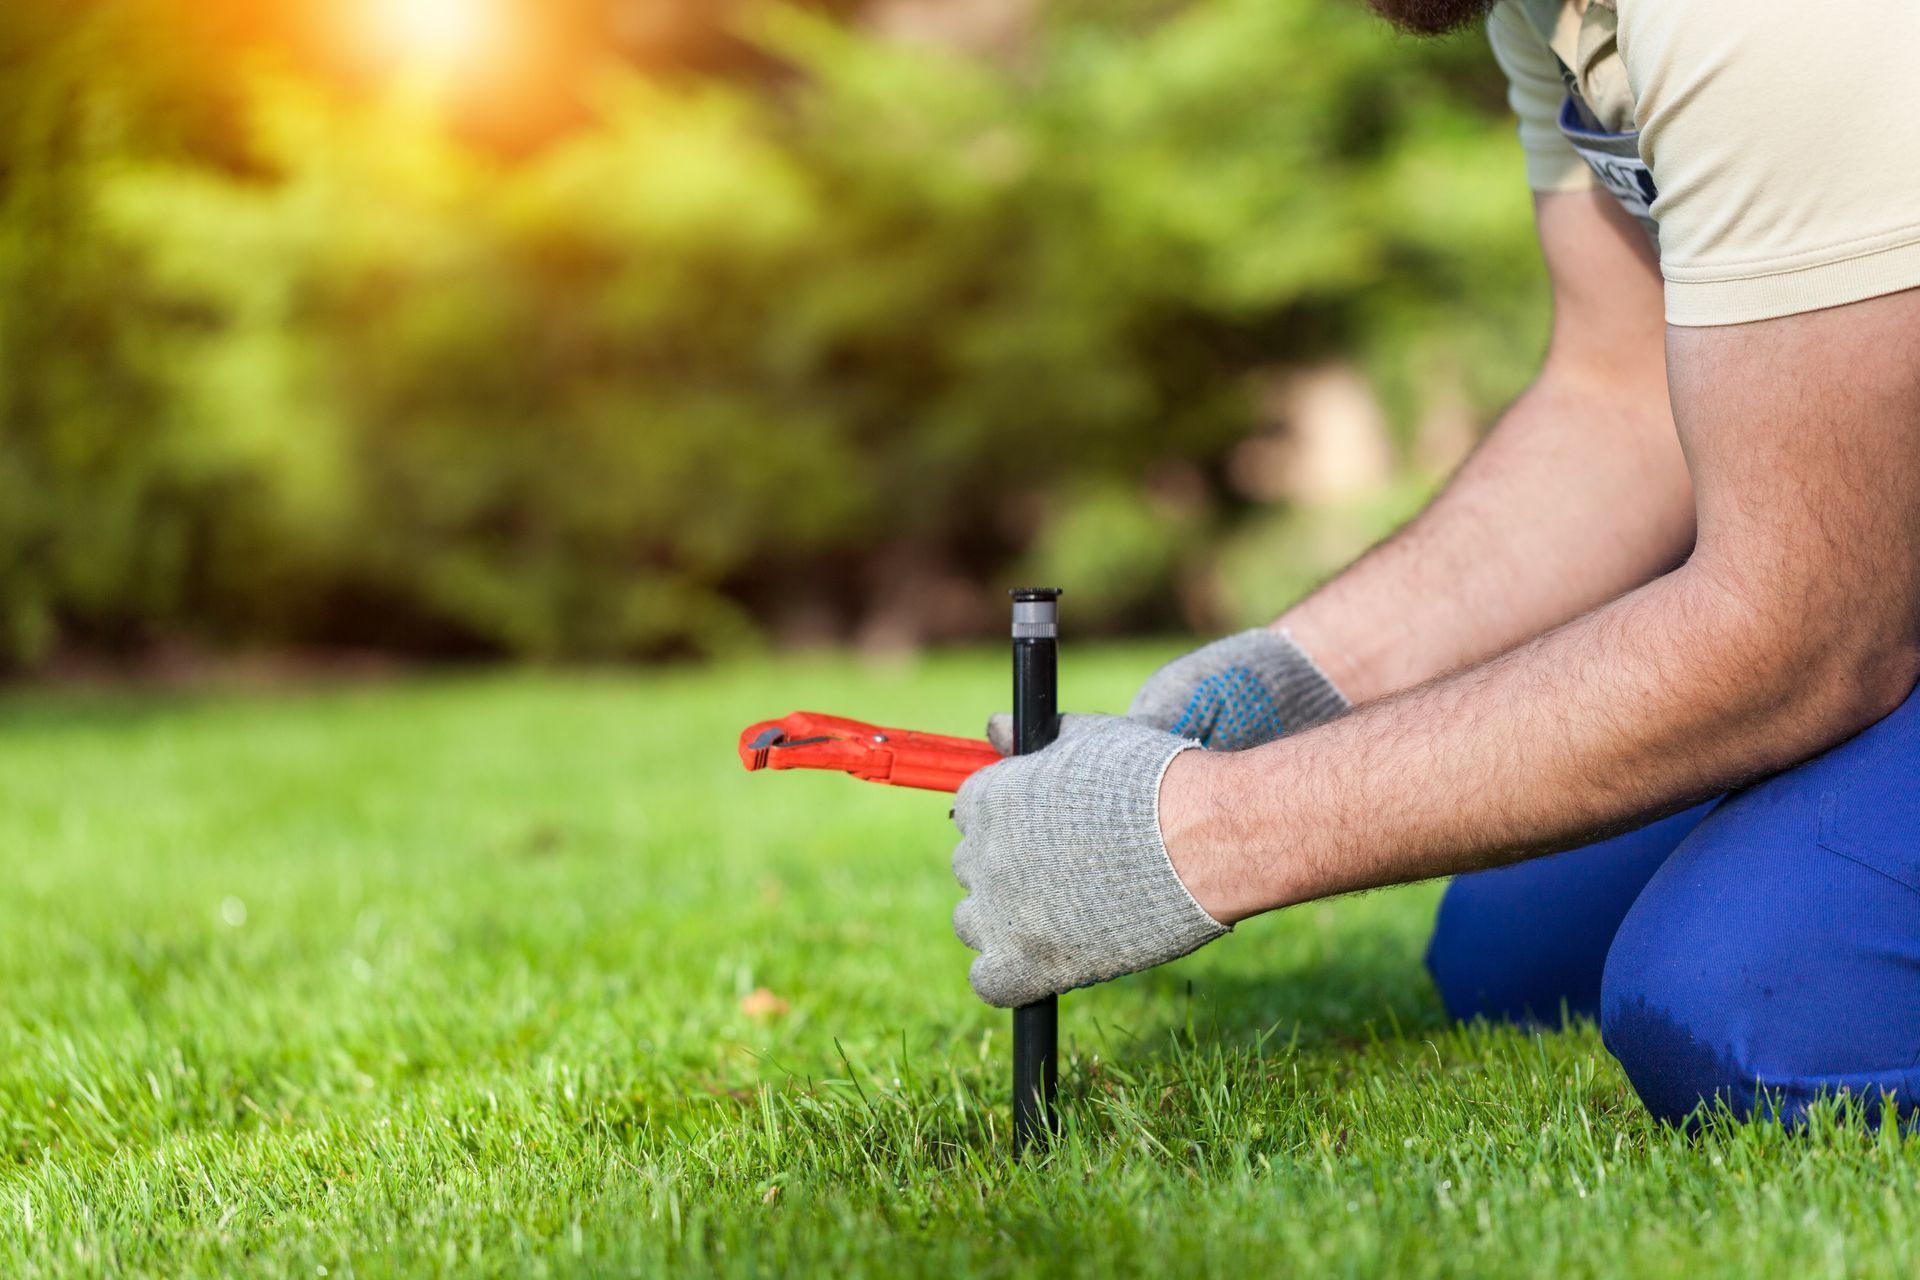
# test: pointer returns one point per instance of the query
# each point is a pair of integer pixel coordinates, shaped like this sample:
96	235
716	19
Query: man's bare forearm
1795	624
1577	496
1671	694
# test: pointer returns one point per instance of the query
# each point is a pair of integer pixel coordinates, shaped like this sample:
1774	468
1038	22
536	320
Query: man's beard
1431	17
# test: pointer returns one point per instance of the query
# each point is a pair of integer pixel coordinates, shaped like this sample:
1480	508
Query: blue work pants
1763	948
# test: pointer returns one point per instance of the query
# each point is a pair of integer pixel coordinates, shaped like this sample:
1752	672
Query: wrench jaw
754	753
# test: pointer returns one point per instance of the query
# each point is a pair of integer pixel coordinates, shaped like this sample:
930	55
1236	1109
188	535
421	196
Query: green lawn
447	977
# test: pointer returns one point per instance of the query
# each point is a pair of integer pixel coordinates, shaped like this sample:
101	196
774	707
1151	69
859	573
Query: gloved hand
1068	880
1240	692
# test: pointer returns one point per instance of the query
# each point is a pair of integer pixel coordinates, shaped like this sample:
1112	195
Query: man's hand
1068	880
1240	692
1235	693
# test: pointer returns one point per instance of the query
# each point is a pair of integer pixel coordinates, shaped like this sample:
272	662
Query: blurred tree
100	513
722	357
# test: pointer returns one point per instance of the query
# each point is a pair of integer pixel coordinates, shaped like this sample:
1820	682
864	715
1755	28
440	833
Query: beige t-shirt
1783	137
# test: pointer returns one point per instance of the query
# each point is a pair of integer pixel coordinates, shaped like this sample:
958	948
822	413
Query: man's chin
1431	17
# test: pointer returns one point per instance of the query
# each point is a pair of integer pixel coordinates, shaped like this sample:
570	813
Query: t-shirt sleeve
1535	90
1785	144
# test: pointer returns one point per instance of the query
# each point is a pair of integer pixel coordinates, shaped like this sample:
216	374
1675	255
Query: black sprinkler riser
1036	723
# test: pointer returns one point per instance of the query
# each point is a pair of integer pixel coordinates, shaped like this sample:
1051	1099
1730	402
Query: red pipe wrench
894	757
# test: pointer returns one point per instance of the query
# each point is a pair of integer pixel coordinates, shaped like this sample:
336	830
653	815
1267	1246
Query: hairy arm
1794	624
1578	495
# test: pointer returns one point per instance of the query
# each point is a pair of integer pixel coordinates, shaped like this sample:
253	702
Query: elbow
1864	685
1820	697
1817	676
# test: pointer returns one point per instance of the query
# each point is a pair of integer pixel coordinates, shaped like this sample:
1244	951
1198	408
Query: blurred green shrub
103	503
732	356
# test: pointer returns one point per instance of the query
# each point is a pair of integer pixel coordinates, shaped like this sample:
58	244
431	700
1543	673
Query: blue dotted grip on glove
1230	710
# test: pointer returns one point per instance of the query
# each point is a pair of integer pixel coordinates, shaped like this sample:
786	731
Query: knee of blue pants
1523	943
1775	958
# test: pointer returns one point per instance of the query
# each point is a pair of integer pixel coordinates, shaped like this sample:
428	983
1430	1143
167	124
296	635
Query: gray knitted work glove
1243	691
1239	692
1068	881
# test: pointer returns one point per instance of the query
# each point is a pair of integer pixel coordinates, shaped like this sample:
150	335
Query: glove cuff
1313	695
1200	913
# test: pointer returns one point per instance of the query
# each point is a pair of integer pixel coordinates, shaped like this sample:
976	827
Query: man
1666	617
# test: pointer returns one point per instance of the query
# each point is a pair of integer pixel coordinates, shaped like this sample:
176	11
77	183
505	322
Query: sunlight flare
438	34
